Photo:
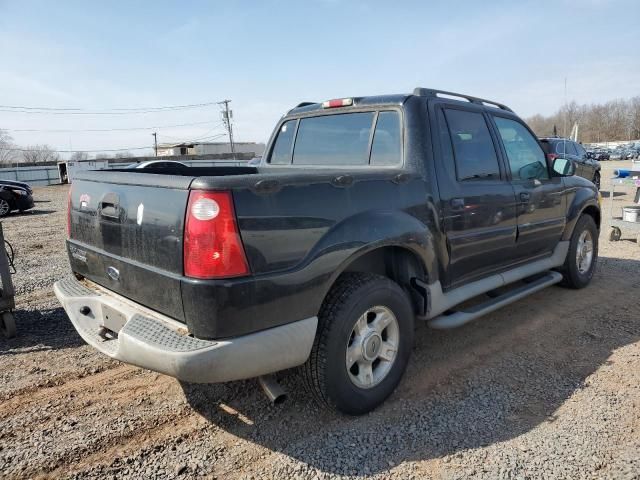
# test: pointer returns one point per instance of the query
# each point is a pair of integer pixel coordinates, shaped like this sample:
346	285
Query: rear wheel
582	256
363	343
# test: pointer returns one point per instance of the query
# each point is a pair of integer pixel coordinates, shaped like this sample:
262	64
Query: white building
208	148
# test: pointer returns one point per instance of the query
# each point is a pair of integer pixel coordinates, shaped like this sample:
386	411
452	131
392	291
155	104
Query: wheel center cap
371	346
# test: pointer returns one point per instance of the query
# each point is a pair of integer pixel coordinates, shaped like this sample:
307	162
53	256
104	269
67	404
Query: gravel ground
548	387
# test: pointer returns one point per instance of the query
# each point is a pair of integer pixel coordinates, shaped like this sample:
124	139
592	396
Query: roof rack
303	104
432	92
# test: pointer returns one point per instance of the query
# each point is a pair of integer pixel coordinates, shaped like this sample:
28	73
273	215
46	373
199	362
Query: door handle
525	197
457	203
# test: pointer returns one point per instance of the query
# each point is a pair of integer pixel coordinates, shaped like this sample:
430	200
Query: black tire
326	373
596	180
573	276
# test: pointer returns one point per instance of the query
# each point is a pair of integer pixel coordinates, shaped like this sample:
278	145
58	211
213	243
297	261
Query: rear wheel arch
399	264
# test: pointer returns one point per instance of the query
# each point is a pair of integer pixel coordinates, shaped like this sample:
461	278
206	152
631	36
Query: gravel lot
548	387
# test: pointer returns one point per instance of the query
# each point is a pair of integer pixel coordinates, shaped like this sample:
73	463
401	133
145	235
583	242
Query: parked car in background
615	154
26	186
564	148
600	155
158	164
14	197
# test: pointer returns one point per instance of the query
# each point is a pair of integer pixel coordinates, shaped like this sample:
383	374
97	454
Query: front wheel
582	256
363	343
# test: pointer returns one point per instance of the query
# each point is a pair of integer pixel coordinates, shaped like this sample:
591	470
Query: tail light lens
212	244
69	213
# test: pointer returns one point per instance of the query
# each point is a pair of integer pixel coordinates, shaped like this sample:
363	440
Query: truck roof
399	99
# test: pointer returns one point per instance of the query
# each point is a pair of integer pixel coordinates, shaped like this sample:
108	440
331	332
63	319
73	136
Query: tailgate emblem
113	273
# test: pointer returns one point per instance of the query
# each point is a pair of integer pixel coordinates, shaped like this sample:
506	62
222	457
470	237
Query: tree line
617	120
12	154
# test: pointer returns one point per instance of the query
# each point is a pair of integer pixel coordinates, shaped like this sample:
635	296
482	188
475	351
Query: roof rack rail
302	104
305	104
432	92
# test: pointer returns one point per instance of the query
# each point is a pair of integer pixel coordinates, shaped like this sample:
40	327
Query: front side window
334	140
526	159
473	148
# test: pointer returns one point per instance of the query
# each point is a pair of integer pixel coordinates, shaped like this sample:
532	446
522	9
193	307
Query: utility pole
155	142
227	117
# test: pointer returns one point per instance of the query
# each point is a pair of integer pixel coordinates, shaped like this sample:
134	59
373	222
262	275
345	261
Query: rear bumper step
133	334
461	317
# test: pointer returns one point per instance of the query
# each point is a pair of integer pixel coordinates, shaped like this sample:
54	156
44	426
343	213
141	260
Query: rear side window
386	148
334	140
340	139
473	148
281	153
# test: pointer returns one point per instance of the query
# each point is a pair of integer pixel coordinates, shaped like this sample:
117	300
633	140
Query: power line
207	134
158	127
87	151
112	111
111	149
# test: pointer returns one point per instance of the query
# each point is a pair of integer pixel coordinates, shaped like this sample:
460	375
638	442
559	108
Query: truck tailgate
127	236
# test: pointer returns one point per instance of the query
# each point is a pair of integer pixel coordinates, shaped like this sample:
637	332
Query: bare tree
611	121
8	152
79	156
39	154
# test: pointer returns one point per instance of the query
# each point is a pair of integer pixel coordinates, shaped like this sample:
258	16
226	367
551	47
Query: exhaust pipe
272	389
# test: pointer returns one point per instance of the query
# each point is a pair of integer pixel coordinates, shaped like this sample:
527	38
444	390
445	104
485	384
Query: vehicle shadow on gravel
40	330
487	382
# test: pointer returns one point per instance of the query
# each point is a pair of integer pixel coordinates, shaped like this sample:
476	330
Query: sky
268	56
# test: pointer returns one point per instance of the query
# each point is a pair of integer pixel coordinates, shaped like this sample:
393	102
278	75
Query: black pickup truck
364	215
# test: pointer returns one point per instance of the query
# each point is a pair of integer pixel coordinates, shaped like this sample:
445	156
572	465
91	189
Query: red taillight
338	102
69	214
212	244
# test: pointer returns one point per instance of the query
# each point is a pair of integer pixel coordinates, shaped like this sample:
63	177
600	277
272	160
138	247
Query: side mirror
564	167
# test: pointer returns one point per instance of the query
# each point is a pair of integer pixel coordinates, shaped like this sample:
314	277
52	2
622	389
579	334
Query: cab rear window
358	138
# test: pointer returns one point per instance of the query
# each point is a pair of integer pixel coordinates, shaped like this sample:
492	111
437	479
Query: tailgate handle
110	206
